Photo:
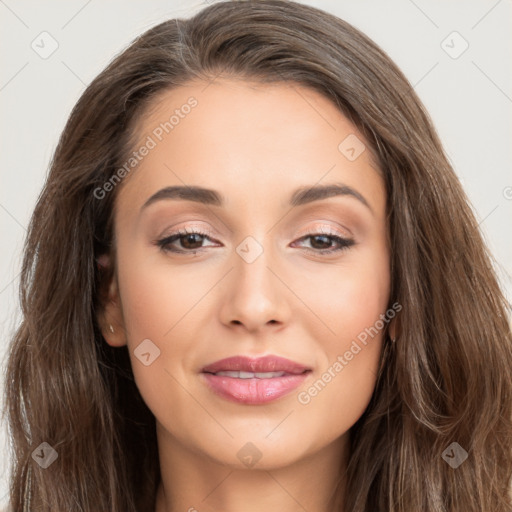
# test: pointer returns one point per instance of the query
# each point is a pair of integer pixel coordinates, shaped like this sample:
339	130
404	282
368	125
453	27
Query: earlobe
110	318
113	325
394	329
114	335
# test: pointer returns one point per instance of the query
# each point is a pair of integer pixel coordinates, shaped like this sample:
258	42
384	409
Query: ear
394	327
110	314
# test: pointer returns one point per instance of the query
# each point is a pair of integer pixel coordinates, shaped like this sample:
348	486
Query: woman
253	281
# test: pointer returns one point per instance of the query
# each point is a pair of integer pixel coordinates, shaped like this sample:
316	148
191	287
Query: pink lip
255	390
257	364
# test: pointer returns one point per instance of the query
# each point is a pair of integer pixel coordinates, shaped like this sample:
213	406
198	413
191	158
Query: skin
255	144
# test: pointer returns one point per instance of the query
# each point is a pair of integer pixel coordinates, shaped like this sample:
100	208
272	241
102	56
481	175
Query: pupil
326	241
190	239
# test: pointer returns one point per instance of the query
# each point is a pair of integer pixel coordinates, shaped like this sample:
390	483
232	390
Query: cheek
347	297
336	398
155	296
353	305
338	394
155	302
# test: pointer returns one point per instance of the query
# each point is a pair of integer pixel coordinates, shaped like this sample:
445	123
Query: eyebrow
301	196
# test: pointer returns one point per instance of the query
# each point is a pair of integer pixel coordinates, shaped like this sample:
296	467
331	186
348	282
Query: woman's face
258	278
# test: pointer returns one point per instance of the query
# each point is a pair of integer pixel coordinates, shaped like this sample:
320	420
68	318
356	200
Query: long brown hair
446	379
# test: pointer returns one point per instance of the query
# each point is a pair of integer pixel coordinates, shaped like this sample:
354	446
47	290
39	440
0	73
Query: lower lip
253	391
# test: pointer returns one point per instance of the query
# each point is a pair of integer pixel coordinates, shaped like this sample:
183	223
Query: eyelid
327	229
315	230
192	228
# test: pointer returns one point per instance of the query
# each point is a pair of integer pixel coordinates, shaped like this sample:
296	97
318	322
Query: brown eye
189	241
322	243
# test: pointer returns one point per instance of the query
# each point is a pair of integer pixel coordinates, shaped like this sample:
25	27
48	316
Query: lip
268	363
254	390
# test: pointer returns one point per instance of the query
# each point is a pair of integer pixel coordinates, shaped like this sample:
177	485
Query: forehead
260	138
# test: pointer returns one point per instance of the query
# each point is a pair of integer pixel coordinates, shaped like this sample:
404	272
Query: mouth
254	380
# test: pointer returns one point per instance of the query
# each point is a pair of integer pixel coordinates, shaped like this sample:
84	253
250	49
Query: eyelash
164	243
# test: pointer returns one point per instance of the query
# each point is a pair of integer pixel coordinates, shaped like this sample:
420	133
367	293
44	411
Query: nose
255	297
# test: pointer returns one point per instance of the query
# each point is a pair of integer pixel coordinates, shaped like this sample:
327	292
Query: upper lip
269	363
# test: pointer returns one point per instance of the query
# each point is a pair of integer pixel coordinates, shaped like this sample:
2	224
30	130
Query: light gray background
469	99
